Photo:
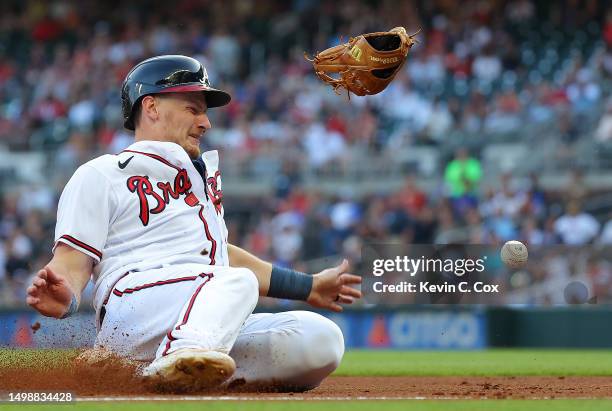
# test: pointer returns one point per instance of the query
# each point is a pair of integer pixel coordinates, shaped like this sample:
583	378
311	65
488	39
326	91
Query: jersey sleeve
84	212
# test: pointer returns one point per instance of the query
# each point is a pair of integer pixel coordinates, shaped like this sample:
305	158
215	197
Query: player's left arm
327	289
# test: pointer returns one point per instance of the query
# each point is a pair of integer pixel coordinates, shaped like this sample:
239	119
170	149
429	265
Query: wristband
289	284
74	306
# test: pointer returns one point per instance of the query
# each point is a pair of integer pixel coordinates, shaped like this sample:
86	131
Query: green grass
394	363
24	358
478	363
412	405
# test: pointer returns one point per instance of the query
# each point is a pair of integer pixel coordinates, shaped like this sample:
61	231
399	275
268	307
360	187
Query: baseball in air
514	254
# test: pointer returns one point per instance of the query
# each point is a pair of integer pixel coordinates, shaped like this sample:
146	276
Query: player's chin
192	147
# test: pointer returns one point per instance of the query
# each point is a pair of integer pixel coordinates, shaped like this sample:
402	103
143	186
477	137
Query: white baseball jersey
145	208
156	232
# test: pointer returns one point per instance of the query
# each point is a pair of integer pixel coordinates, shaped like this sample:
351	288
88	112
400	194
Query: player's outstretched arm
54	286
327	289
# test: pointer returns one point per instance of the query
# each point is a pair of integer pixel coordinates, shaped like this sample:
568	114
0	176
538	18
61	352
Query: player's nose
203	122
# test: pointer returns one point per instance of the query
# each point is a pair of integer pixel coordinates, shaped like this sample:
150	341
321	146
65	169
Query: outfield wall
416	328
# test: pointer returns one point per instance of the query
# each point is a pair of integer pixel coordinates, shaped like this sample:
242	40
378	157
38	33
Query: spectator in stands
606	60
487	67
506	201
583	93
411	197
345	214
505	118
19	253
397	219
603	132
576	227
474	113
319	136
225	52
575	189
502	226
286	238
427	68
530	233
600	274
477	232
540	110
405	105
536	198
447	231
520	11
462	177
440	122
606	234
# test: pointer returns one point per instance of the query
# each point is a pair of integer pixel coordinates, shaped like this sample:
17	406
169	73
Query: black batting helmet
166	74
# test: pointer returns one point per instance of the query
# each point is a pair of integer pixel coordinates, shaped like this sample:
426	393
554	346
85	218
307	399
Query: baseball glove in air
367	63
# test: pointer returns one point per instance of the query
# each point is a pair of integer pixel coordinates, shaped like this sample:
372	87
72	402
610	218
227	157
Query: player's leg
151	314
293	350
188	322
214	314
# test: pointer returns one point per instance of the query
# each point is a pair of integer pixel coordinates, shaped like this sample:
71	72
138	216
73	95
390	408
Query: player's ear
149	107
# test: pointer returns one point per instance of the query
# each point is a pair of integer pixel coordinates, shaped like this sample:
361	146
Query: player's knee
333	341
248	283
324	341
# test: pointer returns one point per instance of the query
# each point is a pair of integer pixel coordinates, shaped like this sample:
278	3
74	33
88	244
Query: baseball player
147	226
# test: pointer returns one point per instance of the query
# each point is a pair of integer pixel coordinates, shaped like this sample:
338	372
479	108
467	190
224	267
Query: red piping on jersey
210	238
81	244
187	312
121	278
155	284
154	156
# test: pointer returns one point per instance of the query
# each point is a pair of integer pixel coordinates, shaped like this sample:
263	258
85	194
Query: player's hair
136	111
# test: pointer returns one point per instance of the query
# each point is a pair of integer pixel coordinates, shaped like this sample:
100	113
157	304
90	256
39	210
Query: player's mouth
196	137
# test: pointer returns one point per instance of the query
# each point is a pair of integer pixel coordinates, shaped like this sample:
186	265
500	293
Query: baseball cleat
190	369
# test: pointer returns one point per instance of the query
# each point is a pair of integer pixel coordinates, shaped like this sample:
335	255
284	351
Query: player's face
184	120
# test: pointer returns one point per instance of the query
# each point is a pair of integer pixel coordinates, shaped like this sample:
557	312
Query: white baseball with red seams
162	276
514	254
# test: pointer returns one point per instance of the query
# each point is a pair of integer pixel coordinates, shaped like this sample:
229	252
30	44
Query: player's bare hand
49	294
332	287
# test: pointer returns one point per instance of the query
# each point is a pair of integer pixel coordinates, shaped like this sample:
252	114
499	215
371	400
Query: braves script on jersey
142	209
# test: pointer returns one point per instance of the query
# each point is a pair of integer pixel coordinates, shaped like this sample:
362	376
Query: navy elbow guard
289	284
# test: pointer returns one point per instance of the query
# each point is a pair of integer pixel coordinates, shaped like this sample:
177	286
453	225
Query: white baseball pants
153	313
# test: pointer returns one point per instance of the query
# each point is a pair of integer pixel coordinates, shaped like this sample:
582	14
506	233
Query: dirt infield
468	387
120	382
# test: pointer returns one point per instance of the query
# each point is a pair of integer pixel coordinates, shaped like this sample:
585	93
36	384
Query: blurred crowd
480	68
308	230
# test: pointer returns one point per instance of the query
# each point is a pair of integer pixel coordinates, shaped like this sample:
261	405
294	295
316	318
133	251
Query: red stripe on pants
187	312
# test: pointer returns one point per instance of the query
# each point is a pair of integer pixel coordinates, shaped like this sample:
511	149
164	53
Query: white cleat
190	369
